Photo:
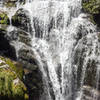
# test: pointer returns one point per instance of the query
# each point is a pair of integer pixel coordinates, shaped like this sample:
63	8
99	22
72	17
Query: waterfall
62	36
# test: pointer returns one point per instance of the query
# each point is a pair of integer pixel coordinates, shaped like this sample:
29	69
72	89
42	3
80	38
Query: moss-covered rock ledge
11	86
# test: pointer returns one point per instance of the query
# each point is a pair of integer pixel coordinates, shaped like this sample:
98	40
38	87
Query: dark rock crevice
96	18
5	48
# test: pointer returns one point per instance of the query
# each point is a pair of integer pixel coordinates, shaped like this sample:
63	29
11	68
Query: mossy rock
13	3
15	66
21	36
4	18
11	87
22	21
93	8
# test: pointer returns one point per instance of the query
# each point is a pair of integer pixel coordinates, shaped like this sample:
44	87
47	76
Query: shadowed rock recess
49	49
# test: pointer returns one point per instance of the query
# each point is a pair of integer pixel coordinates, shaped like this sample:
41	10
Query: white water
54	49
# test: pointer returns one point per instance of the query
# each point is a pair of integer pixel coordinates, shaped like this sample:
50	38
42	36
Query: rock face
15	43
5	48
27	57
20	36
33	81
90	93
33	76
11	86
21	20
92	7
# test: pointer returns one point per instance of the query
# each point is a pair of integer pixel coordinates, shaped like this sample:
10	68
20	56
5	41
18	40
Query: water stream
64	30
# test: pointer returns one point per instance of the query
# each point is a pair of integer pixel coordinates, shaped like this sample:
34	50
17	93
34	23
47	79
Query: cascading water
59	31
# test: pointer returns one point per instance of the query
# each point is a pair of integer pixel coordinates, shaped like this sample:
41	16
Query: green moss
26	96
18	90
91	6
10	4
4	18
11	87
16	67
6	78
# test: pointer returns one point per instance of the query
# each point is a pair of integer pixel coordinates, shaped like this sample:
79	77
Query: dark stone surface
5	48
21	20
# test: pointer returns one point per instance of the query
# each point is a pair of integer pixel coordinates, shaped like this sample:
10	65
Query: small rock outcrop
21	20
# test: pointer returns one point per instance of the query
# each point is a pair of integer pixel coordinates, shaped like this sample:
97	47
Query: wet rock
27	57
39	28
98	36
34	83
21	20
5	48
90	76
21	36
84	63
11	86
90	93
33	76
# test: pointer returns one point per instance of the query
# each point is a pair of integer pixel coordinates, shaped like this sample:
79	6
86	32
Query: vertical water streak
59	22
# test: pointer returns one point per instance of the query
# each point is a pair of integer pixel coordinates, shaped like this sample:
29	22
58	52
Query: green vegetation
13	3
4	18
11	87
91	6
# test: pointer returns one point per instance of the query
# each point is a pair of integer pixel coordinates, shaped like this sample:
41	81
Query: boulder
21	20
27	57
33	75
34	83
21	36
